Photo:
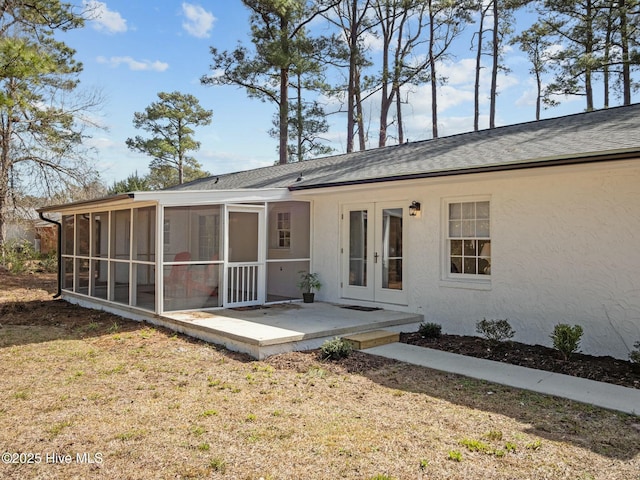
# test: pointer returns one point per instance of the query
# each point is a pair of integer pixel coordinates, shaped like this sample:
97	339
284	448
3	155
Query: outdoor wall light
414	208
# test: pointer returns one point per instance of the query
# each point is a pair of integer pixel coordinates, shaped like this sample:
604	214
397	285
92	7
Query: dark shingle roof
576	137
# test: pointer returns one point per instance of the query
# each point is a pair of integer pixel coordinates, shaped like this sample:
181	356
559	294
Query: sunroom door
245	266
373	252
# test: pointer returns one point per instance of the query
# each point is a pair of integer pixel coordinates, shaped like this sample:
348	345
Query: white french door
373	253
244	275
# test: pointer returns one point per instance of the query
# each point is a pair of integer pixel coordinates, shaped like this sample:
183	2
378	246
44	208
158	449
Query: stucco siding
565	249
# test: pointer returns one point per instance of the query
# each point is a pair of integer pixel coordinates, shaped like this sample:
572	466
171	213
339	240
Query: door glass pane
392	248
243	236
358	248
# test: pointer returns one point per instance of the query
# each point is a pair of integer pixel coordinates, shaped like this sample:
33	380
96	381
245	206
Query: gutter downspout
42	217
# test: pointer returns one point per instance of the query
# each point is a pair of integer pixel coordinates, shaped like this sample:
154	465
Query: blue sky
134	49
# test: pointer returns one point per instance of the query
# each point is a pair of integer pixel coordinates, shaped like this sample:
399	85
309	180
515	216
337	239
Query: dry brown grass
157	405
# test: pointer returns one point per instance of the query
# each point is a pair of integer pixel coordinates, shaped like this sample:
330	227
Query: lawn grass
144	403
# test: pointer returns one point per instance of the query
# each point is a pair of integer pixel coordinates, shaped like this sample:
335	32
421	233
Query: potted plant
307	284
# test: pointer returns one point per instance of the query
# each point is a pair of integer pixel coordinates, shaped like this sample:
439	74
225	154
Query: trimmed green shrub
495	330
336	349
430	330
566	339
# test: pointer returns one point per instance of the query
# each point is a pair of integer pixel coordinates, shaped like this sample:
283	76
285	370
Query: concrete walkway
600	394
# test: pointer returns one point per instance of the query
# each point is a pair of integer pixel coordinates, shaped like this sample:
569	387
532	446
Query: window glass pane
469	266
358	248
455	211
392	248
482	210
455	228
468	210
469	248
100	234
484	262
468	228
456	264
67	234
456	247
482	228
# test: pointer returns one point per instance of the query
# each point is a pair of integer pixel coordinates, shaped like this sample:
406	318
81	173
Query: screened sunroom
170	251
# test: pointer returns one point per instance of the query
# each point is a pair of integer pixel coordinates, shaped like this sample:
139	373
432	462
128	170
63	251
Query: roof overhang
174	198
609	156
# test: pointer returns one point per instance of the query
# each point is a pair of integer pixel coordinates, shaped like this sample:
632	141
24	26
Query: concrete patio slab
286	327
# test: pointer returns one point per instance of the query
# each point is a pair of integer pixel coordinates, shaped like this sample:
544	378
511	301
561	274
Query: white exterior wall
565	249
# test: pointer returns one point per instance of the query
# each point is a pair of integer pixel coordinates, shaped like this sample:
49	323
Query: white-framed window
283	229
468	239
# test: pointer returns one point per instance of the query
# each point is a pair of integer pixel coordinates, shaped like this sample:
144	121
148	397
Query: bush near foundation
566	339
430	330
495	330
336	349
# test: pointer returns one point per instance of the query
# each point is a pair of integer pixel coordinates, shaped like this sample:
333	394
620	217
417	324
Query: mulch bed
603	369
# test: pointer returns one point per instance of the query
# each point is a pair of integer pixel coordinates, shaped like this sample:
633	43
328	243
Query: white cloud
103	19
199	22
372	42
136	65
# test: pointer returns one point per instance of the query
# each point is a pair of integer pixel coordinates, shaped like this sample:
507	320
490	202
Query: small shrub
634	356
566	339
49	262
475	445
336	349
430	330
217	464
455	455
16	256
495	330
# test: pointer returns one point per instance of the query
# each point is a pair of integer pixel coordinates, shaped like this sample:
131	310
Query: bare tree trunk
360	113
495	50
284	115
476	96
588	87
434	79
5	172
626	61
539	96
399	116
300	126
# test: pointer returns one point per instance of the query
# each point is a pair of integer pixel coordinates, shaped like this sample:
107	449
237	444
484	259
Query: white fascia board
198	197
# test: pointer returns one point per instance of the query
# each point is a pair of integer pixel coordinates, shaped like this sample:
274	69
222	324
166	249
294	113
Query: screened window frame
93	258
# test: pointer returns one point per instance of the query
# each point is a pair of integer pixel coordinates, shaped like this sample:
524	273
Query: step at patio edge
374	338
